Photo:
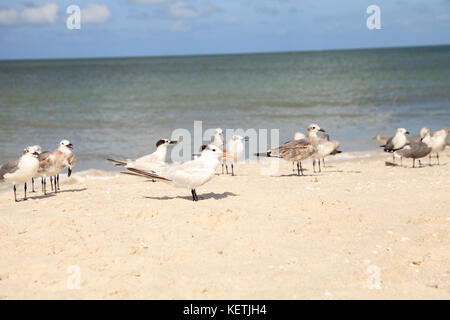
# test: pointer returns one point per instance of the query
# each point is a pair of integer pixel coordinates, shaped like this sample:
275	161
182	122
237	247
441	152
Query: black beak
407	132
70	146
36	154
173	142
322	130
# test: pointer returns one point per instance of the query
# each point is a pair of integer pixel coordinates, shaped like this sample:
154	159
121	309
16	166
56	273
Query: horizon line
224	53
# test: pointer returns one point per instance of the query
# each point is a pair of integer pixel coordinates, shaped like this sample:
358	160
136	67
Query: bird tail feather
118	163
146	174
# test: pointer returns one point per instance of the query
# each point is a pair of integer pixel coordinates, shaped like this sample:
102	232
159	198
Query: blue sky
37	28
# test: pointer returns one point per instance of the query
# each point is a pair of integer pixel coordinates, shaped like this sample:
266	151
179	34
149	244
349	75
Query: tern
51	163
437	141
396	142
191	174
20	170
150	161
235	148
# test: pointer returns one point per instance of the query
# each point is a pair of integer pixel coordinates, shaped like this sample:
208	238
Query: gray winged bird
297	150
415	149
51	163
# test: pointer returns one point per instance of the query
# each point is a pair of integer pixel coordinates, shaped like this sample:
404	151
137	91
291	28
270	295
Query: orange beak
226	155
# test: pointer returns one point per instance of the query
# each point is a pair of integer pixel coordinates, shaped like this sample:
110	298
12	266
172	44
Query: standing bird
51	163
38	150
150	161
191	174
437	141
20	170
235	148
297	150
324	149
219	141
396	142
298	136
415	149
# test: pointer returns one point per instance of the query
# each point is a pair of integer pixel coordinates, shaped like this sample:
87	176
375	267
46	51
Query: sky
35	29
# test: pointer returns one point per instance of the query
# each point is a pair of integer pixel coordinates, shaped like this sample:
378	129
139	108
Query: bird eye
213	149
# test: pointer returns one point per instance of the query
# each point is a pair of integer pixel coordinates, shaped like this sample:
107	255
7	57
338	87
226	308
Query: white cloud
40	15
95	13
48	14
8	17
182	10
181	27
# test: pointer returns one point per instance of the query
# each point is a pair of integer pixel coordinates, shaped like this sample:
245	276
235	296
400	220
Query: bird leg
25	190
194	195
222	167
226	167
32	185
301	169
437	156
414	162
401	161
232	169
51	182
56	189
15	197
323	160
314	166
320	170
57	179
430	159
293	168
393	158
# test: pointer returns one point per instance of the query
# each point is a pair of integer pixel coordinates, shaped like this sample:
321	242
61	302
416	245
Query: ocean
121	107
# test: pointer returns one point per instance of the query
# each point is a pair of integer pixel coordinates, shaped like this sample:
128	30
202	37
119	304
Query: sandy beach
358	230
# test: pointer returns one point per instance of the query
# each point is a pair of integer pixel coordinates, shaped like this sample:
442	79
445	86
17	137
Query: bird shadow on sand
424	165
73	190
203	196
52	193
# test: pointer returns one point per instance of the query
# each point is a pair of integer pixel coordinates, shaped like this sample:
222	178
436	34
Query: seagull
235	147
150	161
298	136
219	141
38	150
191	174
20	170
396	142
297	150
415	149
437	141
51	163
324	149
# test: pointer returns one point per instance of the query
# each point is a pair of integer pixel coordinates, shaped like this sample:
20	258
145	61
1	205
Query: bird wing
191	177
389	146
296	150
9	167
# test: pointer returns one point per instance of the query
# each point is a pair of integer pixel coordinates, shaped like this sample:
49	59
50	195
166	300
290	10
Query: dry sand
321	236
